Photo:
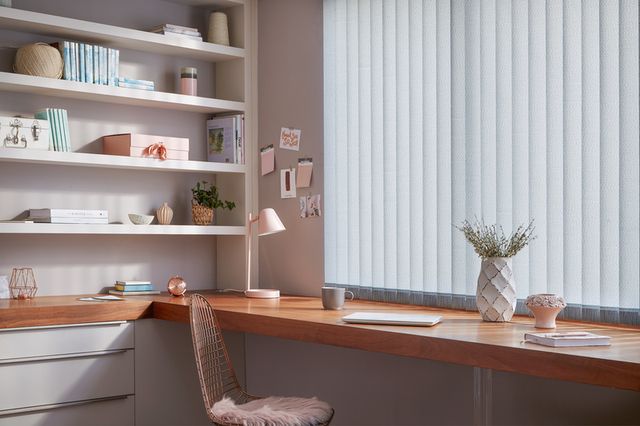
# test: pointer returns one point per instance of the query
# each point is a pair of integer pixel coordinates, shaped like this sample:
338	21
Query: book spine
74	64
81	61
79	220
134	288
66	56
65	130
136	81
136	86
89	63
110	66
133	293
96	64
45	213
132	282
116	69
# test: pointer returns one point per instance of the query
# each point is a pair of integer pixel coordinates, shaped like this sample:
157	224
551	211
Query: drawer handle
36	408
63	356
47	327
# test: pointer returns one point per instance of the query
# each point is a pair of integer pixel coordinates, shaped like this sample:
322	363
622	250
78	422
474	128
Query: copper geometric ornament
23	283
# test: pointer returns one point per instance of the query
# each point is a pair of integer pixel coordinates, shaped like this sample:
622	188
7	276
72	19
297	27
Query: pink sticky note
267	159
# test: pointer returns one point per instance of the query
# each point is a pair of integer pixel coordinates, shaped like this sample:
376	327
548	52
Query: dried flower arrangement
490	241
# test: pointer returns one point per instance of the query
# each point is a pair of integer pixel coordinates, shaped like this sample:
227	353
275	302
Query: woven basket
201	215
39	59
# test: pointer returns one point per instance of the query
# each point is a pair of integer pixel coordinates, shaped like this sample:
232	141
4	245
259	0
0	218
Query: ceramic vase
496	292
164	214
545	308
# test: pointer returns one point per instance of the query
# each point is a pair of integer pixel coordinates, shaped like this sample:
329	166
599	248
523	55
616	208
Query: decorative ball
177	286
39	59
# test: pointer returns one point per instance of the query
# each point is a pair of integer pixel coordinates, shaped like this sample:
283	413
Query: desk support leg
482	399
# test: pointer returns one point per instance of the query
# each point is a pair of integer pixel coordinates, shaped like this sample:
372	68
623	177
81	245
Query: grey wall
290	95
366	388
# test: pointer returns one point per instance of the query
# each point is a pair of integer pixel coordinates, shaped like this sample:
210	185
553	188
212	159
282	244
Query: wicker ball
39	59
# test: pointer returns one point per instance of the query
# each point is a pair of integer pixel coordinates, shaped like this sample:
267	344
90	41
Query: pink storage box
134	145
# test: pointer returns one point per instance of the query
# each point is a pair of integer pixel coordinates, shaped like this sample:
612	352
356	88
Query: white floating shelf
15	155
118	229
111	94
118	37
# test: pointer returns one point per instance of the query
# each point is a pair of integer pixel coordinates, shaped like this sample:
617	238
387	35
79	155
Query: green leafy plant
491	241
208	197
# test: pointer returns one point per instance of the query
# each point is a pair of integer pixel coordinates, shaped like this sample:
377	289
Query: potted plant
205	200
496	292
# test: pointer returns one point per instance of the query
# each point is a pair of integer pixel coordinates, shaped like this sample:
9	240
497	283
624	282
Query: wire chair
215	371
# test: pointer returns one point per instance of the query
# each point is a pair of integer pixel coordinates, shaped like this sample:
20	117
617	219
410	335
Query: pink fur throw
274	411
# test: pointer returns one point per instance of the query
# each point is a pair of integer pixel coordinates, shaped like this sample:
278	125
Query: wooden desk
462	337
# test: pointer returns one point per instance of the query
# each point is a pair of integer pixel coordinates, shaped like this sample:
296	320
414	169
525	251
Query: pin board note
303	176
267	160
287	183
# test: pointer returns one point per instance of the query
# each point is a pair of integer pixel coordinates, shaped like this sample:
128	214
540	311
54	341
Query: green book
57	126
47	114
65	130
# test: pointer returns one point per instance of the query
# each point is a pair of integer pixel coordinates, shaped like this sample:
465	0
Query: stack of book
178	30
69	216
133	288
132	83
58	127
225	139
89	63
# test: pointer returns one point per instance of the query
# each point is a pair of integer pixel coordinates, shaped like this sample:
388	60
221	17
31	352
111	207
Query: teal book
139	287
96	64
65	130
57	128
45	115
88	59
82	66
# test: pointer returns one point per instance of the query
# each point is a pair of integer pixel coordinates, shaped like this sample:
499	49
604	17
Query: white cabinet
67	374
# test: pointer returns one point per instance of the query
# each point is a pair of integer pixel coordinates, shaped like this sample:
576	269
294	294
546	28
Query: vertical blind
502	110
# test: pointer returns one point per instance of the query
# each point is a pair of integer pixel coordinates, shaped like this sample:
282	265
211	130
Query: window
504	110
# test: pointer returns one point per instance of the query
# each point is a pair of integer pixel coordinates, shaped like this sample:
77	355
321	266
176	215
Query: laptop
423	320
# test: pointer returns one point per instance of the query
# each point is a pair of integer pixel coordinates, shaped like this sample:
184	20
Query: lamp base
262	293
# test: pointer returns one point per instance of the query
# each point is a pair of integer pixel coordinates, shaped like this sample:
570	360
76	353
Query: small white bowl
140	219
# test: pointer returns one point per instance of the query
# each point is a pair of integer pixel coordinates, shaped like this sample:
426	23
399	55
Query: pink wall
290	93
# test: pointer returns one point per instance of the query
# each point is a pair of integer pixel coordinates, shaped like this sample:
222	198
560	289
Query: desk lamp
268	223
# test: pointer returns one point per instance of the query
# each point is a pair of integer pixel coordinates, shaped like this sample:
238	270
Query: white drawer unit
95	412
74	338
66	375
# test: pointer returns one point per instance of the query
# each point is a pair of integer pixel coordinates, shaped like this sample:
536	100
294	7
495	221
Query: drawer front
31	382
100	412
44	341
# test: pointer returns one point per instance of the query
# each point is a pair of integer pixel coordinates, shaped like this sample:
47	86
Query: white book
133	282
60	213
572	338
85	220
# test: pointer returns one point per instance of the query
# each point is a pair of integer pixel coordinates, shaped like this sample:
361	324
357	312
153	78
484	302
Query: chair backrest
217	378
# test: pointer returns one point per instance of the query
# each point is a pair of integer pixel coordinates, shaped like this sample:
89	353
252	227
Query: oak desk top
461	338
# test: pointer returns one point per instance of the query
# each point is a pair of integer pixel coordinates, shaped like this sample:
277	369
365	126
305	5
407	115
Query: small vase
545	308
496	293
164	214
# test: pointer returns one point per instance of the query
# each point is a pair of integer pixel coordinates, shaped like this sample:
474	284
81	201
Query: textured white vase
496	293
164	214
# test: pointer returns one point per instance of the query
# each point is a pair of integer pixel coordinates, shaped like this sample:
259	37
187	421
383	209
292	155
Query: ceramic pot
496	292
164	214
545	308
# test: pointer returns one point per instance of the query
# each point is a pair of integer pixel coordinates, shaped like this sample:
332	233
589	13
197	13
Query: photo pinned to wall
305	168
290	138
267	160
310	206
287	183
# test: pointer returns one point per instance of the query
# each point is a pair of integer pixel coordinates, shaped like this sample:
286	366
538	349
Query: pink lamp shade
269	222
